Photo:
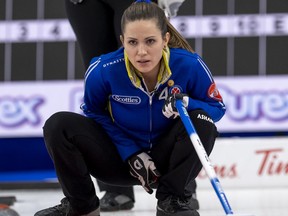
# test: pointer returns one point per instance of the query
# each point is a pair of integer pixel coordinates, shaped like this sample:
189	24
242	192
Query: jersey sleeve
203	92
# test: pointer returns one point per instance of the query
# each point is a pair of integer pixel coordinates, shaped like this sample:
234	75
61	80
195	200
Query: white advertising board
249	162
253	104
24	106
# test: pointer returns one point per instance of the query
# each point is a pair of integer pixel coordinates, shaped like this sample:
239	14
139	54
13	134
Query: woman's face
143	44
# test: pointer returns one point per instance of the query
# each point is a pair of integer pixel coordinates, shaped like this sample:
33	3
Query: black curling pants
79	147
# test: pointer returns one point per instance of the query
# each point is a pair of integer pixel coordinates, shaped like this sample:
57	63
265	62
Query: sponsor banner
24	106
249	162
253	104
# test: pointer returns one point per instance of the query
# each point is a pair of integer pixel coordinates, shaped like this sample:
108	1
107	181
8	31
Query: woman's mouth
143	61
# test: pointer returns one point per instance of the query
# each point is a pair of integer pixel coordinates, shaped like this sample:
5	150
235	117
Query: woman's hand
169	109
144	169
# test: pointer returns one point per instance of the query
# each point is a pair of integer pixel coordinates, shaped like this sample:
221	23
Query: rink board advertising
257	104
253	104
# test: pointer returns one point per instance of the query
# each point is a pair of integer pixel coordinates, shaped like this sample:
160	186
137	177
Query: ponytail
176	39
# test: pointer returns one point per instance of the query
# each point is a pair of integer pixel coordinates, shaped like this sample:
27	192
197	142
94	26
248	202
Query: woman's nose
142	50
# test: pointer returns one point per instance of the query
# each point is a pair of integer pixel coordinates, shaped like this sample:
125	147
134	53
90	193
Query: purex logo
255	105
126	99
17	111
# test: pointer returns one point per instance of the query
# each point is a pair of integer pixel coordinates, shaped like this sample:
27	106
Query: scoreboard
238	37
37	42
235	38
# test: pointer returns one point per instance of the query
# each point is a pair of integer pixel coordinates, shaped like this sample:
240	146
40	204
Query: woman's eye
150	41
132	42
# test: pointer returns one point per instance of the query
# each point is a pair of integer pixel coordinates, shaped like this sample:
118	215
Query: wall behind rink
254	104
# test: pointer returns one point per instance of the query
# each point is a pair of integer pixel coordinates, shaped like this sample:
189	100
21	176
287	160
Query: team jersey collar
163	75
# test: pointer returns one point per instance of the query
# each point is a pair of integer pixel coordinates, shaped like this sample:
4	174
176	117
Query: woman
96	24
131	133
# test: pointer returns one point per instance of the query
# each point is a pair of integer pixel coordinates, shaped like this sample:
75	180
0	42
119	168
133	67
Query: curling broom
204	158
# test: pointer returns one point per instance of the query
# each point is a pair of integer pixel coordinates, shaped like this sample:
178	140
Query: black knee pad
55	121
205	128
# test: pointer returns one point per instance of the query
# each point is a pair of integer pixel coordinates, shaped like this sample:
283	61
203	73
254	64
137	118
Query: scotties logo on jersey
175	90
214	93
127	99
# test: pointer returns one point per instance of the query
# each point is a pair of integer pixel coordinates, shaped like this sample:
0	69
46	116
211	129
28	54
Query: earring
165	48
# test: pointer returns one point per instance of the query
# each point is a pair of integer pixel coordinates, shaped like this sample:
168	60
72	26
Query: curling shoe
115	202
64	209
6	211
194	203
174	206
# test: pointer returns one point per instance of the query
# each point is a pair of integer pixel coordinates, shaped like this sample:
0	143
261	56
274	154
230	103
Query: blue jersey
117	98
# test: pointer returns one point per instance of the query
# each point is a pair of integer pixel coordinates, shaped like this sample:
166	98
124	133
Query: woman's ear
167	38
122	40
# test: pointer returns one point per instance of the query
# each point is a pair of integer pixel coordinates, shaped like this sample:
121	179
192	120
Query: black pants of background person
96	24
79	147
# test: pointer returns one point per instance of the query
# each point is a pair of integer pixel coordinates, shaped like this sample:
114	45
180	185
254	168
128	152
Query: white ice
258	202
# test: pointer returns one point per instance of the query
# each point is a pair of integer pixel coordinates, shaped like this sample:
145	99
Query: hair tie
147	1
